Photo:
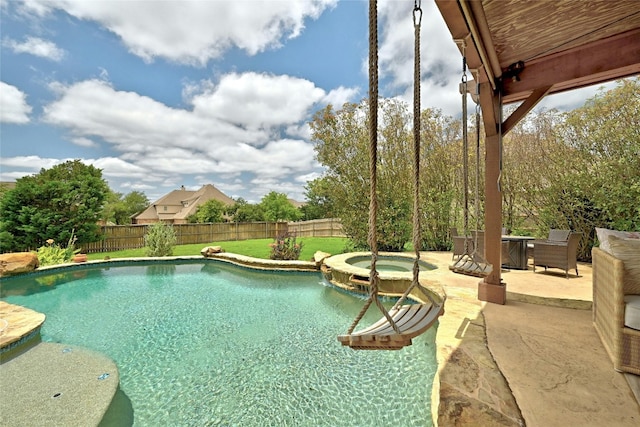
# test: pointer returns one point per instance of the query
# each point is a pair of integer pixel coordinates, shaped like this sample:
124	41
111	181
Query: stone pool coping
341	273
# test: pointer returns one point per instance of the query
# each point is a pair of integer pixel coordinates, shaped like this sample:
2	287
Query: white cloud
570	100
235	127
84	142
32	163
440	60
13	105
337	97
37	47
258	100
118	168
192	31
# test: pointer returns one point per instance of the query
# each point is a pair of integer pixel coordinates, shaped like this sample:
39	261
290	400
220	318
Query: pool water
209	343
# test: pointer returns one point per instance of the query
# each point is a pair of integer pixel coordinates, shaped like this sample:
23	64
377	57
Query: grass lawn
257	248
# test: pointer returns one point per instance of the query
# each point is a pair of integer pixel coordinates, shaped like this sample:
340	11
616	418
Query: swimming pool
205	342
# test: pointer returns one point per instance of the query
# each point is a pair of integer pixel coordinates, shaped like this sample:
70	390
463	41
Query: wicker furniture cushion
632	311
628	250
604	233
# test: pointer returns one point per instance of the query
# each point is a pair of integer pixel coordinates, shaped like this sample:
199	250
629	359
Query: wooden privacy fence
329	227
121	237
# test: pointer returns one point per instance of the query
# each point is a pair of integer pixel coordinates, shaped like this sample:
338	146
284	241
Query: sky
160	94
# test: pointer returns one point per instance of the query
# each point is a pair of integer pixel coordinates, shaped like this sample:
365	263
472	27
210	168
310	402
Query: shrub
285	248
51	253
160	239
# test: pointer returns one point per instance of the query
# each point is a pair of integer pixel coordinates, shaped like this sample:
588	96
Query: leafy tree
441	185
578	170
4	187
119	209
111	205
320	203
532	152
277	207
342	145
243	211
51	205
210	211
606	133
133	203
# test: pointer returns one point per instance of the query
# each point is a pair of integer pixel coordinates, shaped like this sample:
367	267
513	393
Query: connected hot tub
395	269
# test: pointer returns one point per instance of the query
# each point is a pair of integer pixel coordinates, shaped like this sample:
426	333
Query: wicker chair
622	343
556	253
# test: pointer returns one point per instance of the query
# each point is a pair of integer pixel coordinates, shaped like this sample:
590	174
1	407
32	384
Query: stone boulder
319	257
211	250
18	262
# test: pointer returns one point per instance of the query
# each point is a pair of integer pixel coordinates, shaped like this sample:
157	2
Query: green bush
52	254
160	239
285	248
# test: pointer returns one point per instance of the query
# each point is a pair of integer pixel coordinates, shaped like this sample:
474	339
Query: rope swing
402	322
472	262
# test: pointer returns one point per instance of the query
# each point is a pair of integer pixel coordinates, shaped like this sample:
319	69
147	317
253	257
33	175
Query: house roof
184	203
203	195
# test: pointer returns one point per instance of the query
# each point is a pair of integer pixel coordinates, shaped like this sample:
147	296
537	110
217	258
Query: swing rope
417	233
471	262
374	278
416	318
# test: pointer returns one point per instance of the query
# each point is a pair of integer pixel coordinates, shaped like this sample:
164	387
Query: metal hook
417	13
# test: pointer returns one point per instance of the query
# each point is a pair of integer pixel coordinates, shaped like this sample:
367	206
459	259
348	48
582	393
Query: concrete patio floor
535	361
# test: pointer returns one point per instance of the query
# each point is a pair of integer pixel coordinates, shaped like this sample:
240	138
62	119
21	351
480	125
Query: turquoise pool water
207	343
389	263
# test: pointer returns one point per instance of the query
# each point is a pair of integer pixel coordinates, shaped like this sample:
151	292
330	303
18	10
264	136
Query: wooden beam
524	108
592	63
490	111
455	21
482	31
487	57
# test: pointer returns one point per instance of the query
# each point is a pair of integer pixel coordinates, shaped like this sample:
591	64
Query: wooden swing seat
411	320
469	266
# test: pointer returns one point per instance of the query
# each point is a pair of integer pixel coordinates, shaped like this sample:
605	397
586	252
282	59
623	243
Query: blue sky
160	94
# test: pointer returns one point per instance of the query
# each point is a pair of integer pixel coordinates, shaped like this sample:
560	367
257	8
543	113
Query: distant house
296	204
178	205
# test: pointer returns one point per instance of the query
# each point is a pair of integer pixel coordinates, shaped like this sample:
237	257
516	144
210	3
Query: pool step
49	383
56	384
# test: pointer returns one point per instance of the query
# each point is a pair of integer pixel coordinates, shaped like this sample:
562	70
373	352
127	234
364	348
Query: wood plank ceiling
529	47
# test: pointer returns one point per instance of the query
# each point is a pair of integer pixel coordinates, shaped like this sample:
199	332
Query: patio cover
523	50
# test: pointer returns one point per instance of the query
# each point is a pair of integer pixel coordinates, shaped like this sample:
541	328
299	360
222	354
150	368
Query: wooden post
491	288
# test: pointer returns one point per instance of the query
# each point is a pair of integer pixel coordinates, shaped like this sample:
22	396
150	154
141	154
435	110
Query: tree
243	211
441	185
133	203
53	204
277	207
210	211
342	146
119	209
578	170
320	203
